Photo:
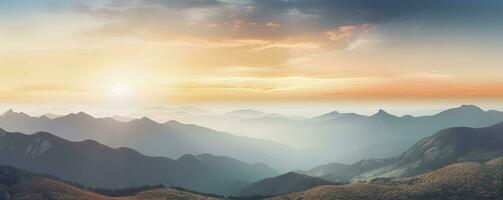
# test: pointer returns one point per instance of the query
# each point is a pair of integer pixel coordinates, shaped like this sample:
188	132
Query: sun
119	90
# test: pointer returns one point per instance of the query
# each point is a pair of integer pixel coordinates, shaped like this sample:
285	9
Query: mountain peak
144	120
333	113
9	112
172	122
189	158
12	113
470	107
247	113
80	115
382	114
44	134
381	111
464	109
51	116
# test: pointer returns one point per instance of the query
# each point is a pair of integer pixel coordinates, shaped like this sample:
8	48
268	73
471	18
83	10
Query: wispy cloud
244	49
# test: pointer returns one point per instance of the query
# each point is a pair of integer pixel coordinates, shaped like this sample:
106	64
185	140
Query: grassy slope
467	180
44	188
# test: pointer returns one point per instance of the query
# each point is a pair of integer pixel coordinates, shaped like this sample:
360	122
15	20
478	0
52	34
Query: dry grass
44	189
169	194
457	181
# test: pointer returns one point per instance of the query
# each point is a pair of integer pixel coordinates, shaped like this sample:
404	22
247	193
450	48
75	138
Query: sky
118	54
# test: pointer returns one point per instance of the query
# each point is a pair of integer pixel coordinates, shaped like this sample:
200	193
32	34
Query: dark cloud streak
307	19
185	3
337	12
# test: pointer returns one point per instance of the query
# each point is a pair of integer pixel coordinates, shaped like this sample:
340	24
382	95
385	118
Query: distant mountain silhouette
283	184
239	122
446	147
121	118
246	114
51	116
335	136
349	137
468	180
266	127
167	113
170	139
94	164
17	184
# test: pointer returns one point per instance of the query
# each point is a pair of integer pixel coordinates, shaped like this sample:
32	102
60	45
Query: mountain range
342	137
170	139
93	164
453	163
345	137
350	137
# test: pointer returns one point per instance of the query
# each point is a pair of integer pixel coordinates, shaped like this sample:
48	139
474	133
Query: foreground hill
93	164
16	184
170	139
468	180
445	147
283	184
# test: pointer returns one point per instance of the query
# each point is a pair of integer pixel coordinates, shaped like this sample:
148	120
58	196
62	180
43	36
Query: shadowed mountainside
16	184
170	139
445	147
93	164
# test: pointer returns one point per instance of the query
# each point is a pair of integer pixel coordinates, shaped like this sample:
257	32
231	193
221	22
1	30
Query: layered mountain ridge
169	139
93	164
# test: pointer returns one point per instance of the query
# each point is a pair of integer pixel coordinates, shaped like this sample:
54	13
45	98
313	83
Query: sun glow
120	90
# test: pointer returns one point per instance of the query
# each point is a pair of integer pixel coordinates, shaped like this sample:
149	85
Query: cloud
250	9
44	88
212	25
351	37
416	88
184	3
361	42
341	34
338	12
224	86
271	24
